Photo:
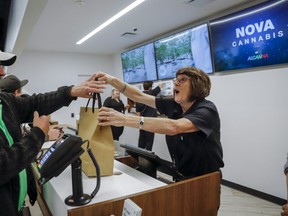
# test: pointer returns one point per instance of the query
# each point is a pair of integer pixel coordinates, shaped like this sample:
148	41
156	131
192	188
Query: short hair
147	85
200	82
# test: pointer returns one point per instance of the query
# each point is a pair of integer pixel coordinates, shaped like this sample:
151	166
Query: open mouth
176	91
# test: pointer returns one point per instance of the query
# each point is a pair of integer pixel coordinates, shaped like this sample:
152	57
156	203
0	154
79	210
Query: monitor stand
77	198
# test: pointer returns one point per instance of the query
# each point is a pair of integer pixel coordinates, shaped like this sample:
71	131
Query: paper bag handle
94	99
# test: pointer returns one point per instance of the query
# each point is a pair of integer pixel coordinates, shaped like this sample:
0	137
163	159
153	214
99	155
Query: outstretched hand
109	116
104	77
41	122
88	87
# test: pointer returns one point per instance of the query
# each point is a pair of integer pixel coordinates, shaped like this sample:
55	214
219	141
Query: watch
141	123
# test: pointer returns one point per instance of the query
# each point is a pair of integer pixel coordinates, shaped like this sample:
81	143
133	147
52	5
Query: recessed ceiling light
112	19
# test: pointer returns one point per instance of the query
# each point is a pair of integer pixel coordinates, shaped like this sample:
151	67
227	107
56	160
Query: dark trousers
146	140
116	132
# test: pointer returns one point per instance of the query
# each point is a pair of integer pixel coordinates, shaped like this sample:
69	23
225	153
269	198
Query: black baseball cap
11	83
7	59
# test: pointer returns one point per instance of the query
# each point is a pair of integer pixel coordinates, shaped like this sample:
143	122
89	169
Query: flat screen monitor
149	162
139	64
253	37
188	48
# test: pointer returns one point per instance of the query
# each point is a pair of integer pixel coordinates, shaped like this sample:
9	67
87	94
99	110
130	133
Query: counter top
126	182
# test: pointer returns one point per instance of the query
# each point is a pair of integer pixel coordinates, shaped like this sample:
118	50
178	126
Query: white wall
253	109
252	106
46	71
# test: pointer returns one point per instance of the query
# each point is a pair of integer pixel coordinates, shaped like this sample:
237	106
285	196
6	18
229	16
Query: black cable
98	178
87	143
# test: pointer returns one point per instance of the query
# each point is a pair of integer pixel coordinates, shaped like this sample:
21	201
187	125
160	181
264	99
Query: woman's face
181	89
116	94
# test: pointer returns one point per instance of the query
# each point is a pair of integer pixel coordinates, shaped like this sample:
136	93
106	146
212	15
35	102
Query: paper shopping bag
100	142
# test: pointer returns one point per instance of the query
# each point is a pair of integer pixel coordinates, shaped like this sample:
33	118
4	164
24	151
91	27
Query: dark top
199	152
112	103
146	110
118	106
17	110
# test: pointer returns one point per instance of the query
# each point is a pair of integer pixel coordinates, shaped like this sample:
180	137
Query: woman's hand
104	77
109	116
88	87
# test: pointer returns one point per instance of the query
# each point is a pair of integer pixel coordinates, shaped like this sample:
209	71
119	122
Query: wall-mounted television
187	48
253	37
139	64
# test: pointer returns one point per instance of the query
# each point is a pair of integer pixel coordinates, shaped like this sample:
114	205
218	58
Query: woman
115	103
192	128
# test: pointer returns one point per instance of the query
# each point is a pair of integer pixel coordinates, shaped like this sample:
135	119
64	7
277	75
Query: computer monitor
149	162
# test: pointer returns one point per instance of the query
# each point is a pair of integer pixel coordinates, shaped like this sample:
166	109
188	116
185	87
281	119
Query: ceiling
62	23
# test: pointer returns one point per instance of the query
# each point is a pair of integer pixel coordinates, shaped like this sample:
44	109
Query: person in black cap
12	84
6	59
18	151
